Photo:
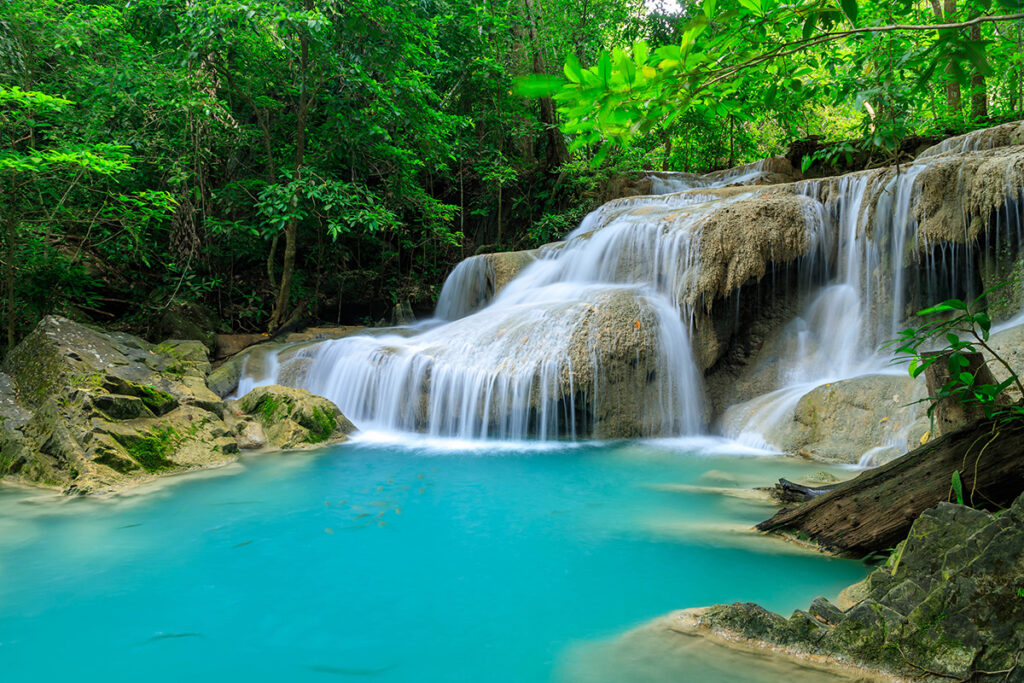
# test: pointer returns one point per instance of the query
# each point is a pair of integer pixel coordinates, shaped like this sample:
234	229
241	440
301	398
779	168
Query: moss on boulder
294	418
85	410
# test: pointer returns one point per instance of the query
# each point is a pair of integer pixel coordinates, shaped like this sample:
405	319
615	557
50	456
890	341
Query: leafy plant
962	328
958	487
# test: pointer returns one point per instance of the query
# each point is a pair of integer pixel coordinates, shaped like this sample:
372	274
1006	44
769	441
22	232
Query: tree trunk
557	152
947	13
874	511
498	240
979	97
949	414
291	231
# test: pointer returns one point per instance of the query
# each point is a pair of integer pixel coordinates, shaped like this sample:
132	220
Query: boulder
228	345
86	410
190	321
869	419
293	418
947	603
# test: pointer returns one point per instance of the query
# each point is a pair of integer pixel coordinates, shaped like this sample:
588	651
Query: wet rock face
291	418
877	416
948	603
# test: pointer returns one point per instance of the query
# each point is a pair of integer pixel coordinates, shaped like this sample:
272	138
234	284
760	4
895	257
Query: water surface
389	562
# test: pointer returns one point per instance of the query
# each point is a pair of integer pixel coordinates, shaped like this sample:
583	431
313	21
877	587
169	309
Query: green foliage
958	487
154	153
880	64
155	148
961	328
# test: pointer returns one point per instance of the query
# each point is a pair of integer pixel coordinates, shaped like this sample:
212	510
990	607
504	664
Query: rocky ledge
83	410
948	605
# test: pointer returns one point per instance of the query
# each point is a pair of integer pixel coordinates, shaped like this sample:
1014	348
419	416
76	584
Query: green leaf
693	31
958	487
604	67
967	378
984	323
709	7
809	26
538	85
849	8
573	70
947	305
641	52
752	5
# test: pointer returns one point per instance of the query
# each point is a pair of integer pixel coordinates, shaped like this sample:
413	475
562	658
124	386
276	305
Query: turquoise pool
390	561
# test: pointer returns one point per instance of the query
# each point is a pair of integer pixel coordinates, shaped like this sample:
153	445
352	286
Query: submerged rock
947	605
292	418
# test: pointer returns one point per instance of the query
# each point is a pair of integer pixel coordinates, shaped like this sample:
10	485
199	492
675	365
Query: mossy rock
950	602
157	401
295	418
85	410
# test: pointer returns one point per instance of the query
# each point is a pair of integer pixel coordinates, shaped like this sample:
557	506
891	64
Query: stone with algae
948	604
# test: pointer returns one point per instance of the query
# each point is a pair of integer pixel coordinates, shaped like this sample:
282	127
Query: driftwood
874	511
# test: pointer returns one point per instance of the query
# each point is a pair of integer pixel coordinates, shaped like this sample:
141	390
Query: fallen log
787	491
874	511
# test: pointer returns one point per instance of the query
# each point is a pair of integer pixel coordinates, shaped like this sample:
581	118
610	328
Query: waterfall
668	183
465	290
593	336
838	334
590	339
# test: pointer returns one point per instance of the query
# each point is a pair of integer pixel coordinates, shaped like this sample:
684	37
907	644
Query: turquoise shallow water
386	562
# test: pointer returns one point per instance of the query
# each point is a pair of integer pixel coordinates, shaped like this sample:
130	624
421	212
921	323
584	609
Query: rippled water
392	562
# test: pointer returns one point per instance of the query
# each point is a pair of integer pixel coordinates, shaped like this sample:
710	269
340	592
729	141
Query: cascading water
591	336
588	340
839	333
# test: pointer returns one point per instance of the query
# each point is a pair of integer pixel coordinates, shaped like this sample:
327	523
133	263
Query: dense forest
257	163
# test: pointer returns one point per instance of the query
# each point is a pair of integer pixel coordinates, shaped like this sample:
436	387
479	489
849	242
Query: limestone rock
1009	344
88	410
295	418
250	435
948	602
1005	135
877	416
